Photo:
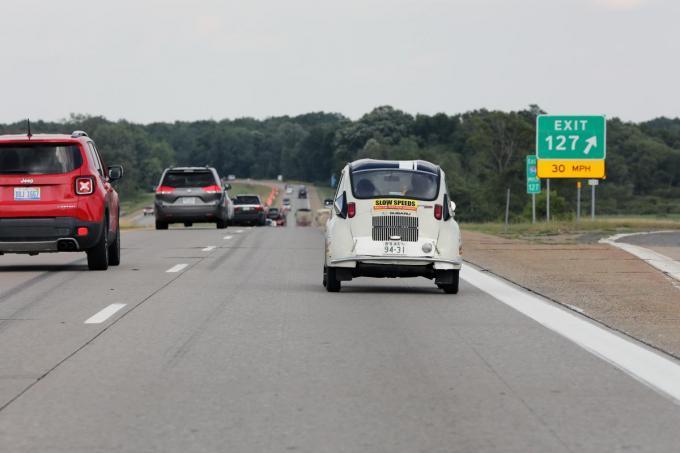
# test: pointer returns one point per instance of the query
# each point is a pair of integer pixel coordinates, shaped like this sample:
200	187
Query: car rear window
246	199
179	179
395	183
39	159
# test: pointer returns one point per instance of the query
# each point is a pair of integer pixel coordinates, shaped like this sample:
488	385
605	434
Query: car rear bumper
249	217
198	213
437	263
41	235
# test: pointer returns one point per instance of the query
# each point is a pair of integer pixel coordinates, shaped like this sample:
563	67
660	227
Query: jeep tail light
164	190
351	209
82	231
438	211
212	189
84	185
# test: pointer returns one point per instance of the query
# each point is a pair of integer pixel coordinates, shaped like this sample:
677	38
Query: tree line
482	152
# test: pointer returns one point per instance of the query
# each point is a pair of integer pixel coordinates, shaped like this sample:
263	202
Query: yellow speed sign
554	168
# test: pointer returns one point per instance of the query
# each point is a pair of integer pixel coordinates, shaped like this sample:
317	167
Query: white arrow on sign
592	143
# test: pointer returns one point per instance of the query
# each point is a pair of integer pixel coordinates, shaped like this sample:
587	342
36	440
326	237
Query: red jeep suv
56	196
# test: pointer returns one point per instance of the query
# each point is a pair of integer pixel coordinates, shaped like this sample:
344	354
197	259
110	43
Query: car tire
161	225
222	224
451	288
114	250
333	285
98	256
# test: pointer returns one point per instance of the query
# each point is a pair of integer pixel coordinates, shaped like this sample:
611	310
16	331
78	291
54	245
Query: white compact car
392	219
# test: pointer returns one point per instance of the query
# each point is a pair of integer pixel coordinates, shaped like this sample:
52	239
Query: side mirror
340	206
115	172
453	206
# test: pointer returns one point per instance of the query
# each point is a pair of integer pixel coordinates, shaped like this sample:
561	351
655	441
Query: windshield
180	179
395	183
247	199
39	159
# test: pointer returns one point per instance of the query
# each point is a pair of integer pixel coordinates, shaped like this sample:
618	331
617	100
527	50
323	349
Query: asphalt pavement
225	341
665	242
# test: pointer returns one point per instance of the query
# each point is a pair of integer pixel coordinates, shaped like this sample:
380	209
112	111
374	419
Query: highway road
224	340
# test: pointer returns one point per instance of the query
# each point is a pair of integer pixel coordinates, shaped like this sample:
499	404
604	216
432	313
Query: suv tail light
164	190
438	211
84	185
259	208
351	209
212	189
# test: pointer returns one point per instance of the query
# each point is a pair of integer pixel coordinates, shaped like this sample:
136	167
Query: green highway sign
533	183
567	137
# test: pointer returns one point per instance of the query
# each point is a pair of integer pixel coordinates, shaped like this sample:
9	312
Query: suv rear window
246	199
179	179
39	159
395	183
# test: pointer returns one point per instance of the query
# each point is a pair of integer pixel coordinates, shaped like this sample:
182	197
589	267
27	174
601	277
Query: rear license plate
247	209
189	200
26	193
394	248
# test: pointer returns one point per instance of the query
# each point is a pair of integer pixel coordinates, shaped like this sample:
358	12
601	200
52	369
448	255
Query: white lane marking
209	248
238	231
176	268
645	365
228	237
661	262
104	314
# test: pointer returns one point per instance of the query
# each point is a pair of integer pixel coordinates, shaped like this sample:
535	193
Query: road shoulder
600	281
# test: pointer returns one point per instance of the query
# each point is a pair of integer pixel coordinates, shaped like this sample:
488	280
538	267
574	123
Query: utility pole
507	209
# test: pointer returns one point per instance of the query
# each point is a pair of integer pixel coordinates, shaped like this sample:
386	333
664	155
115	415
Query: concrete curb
661	262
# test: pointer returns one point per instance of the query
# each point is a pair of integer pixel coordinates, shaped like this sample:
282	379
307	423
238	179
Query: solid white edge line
228	237
104	314
650	367
209	248
238	231
176	268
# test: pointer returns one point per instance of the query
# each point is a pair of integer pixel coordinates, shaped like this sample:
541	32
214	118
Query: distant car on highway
392	219
328	202
148	210
56	196
289	190
249	209
303	217
302	192
231	177
277	216
191	195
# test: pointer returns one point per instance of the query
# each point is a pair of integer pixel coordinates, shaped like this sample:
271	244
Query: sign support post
533	208
592	203
547	200
507	209
578	201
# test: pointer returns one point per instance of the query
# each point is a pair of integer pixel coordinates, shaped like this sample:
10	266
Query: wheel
188	224
262	222
451	288
222	224
98	256
114	250
161	225
332	283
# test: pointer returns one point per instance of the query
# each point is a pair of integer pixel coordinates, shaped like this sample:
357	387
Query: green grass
325	192
604	225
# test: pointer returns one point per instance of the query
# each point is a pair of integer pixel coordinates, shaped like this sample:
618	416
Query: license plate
394	248
26	193
247	209
189	200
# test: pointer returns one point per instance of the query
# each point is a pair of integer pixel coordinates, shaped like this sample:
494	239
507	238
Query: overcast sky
166	60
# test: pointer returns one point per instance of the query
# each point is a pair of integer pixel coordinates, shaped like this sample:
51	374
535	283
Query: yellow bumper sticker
395	204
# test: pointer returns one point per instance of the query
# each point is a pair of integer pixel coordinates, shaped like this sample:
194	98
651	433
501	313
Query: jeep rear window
180	179
39	159
418	185
246	199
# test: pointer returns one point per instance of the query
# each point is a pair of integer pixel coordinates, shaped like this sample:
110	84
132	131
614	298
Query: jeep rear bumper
45	235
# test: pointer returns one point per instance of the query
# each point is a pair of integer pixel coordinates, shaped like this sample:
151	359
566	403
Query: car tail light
212	189
84	185
82	231
237	209
164	190
259	208
351	209
438	211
